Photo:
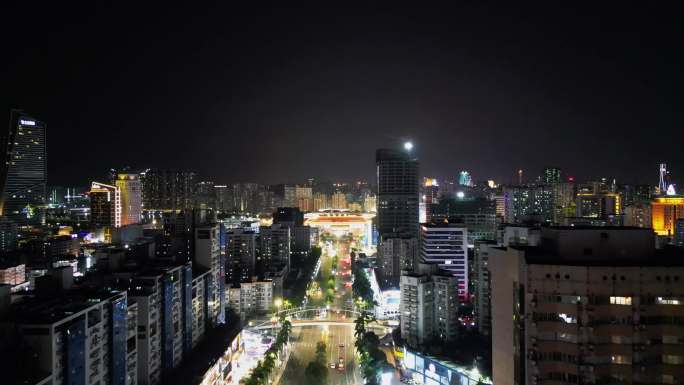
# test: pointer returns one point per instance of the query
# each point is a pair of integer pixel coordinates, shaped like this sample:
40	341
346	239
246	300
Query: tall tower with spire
662	185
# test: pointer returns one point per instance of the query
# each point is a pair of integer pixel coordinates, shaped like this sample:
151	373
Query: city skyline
475	87
188	195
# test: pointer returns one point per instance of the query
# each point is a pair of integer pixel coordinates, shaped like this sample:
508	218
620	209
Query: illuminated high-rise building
397	176
304	198
396	252
247	197
551	175
370	203
205	195
464	178
209	240
429	306
339	201
274	246
224	197
588	305
240	255
8	235
105	205
638	215
522	203
320	201
665	211
23	173
446	246
477	215
167	189
130	189
286	195
429	198
564	200
595	200
303	192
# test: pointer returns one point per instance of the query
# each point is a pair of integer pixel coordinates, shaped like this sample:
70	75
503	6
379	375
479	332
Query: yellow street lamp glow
278	302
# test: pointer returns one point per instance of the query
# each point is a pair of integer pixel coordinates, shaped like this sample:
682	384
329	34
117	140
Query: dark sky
281	94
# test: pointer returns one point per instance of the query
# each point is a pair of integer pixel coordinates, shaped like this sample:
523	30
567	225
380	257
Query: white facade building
254	297
417	308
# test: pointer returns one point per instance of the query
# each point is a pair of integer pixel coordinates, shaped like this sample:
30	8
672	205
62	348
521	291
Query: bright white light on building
408	146
460	195
671	190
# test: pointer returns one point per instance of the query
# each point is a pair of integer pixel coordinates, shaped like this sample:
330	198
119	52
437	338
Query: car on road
341	345
332	365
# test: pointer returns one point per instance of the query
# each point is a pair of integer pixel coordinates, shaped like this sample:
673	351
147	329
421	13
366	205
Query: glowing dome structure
343	222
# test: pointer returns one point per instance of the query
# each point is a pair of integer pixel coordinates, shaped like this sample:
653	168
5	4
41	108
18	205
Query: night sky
281	94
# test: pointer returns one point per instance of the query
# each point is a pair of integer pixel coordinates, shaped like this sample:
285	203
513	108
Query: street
339	339
304	351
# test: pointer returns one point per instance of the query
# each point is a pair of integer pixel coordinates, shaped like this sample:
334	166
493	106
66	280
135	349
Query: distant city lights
431	182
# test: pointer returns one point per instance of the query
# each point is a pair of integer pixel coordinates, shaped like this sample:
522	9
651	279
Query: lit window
621	300
669	301
621	360
673	359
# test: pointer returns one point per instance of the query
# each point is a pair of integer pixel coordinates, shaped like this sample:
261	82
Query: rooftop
670	256
205	355
41	310
600	246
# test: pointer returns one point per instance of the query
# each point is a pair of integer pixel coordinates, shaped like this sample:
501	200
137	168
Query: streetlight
408	146
278	302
